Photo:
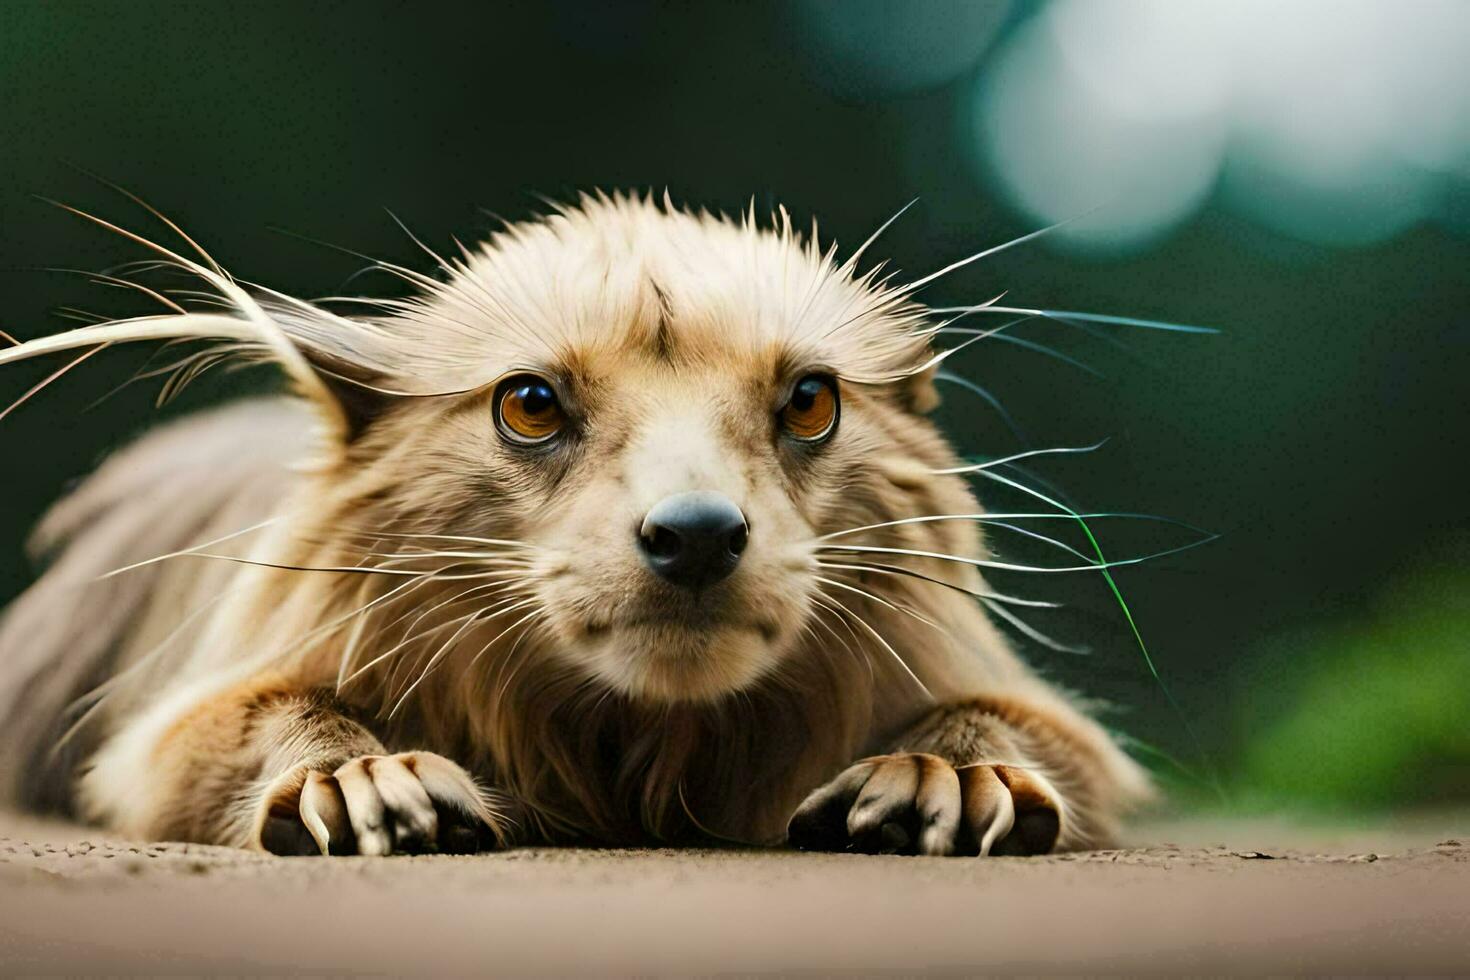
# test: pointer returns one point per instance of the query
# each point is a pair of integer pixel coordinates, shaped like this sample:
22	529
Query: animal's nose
693	539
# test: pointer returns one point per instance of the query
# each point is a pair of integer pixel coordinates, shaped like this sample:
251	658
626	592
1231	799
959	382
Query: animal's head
638	424
665	412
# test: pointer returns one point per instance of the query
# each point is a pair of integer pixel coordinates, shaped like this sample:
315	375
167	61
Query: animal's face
673	515
666	413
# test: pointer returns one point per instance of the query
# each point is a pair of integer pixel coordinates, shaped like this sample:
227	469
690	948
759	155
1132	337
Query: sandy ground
1234	898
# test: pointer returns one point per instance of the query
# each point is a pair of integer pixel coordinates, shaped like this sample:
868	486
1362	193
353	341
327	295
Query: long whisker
896	607
884	644
1122	604
989	398
1007	567
186	551
1030	345
341	569
494	588
160	216
79	315
840	613
937	359
1064	316
328	628
855	257
1033	632
1017	457
117	282
998	517
155	327
1027	532
484	614
918	284
410	633
468	557
434	661
349	649
264	328
819	621
884	569
1068	514
146	370
52	377
451	537
404	643
505	684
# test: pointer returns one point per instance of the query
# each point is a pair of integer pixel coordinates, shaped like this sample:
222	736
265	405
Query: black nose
693	539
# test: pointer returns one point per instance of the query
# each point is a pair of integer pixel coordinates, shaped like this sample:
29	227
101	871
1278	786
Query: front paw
915	803
410	803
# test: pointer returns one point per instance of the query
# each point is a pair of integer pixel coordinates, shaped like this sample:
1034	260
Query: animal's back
182	485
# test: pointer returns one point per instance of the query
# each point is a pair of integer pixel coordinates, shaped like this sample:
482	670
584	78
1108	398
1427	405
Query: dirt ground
1238	898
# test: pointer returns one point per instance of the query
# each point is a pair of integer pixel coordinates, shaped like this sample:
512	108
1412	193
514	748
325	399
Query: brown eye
527	410
811	412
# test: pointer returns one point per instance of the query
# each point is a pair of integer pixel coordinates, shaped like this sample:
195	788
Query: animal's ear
920	394
341	364
357	392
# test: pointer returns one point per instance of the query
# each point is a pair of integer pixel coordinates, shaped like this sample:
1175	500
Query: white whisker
471	621
827	604
1005	566
188	551
910	573
1064	316
1031	631
1016	457
884	644
411	636
917	284
1037	536
1027	344
896	607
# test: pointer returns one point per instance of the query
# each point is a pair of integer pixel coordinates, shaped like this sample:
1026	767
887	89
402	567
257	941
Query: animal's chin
670	662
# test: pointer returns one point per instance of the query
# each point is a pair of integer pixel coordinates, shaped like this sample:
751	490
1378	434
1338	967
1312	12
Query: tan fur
610	708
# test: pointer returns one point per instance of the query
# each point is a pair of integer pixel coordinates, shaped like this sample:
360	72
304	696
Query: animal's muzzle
693	539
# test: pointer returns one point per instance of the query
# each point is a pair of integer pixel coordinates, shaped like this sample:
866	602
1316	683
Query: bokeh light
1069	141
1339	122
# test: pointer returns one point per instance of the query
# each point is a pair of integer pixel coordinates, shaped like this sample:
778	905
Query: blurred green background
1319	651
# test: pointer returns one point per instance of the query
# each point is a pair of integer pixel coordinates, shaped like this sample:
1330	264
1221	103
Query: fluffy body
425	637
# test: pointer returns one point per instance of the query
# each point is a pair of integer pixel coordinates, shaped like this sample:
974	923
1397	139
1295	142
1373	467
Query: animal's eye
811	412
527	410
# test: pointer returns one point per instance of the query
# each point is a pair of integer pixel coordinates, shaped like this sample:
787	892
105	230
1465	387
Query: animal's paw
410	803
915	803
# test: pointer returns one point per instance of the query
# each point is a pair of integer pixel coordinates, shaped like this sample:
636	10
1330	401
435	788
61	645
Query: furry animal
628	527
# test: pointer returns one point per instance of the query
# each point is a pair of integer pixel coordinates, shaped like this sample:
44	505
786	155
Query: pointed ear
347	360
357	391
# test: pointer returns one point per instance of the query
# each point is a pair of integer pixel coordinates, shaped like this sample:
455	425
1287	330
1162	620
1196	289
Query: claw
324	813
919	803
411	803
989	812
